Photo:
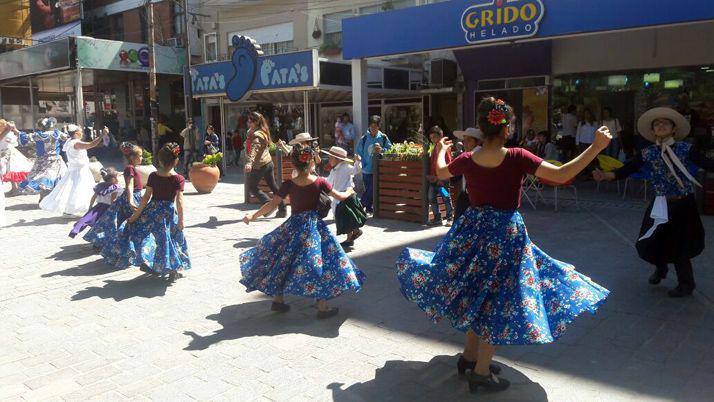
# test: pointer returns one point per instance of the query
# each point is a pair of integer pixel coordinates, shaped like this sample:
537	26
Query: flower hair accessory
126	147
174	148
497	115
305	156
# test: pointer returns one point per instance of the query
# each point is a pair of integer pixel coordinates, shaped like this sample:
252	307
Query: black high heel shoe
490	383
462	365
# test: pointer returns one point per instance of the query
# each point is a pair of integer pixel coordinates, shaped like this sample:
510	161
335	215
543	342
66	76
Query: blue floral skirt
153	240
301	257
45	173
487	276
107	225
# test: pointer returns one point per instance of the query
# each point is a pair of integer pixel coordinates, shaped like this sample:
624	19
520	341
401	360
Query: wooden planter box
401	191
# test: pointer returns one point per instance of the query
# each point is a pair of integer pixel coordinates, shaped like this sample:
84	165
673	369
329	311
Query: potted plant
330	49
205	174
147	166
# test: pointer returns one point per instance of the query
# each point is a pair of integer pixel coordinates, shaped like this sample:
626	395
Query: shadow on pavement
435	380
92	268
144	286
395	226
73	252
256	319
214	223
54	220
246	243
22	207
240	206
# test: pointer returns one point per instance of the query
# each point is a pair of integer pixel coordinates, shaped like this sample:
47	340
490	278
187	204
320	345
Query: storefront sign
4	40
501	20
35	59
125	56
463	23
282	71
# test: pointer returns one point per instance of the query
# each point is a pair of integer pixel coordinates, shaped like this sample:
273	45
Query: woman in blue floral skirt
152	238
302	257
486	276
108	224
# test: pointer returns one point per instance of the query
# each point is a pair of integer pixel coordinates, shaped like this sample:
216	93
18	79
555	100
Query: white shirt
570	125
586	133
107	199
341	178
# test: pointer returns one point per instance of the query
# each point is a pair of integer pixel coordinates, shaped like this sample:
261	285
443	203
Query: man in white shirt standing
612	124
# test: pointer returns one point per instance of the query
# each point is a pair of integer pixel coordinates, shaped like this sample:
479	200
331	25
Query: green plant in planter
406	151
147	158
272	148
329	47
213	160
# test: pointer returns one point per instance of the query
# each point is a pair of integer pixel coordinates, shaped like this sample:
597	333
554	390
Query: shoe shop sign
249	71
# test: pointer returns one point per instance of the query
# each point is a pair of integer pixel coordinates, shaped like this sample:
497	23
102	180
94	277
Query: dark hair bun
493	115
301	156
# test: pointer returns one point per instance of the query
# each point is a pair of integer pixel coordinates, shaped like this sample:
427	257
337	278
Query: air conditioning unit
443	73
173	42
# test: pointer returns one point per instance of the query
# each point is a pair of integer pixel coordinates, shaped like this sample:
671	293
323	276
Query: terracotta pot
204	177
145	171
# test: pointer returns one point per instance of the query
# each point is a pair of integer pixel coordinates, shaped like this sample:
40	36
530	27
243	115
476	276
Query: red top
304	198
237	142
130	172
433	156
164	188
500	186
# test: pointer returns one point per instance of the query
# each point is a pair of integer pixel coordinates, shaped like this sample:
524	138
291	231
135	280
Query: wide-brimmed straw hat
469	132
302	137
339	153
681	124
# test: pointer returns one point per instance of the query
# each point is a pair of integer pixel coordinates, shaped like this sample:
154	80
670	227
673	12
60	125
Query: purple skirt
89	219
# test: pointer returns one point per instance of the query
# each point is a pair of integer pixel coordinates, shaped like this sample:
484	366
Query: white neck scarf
669	158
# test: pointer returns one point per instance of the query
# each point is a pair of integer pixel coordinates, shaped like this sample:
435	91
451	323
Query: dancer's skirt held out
301	257
487	276
154	241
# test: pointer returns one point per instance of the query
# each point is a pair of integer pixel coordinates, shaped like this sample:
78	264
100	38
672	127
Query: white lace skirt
72	194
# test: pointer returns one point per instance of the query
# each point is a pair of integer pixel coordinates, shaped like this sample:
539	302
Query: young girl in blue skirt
108	224
486	276
152	237
105	193
301	257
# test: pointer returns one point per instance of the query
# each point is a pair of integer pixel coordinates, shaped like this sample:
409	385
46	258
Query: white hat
73	128
337	152
300	138
681	125
469	132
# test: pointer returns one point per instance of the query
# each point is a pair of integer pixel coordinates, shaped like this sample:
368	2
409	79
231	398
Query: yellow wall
16	20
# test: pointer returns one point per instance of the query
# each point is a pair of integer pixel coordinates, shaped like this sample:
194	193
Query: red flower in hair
496	117
500	102
176	150
305	157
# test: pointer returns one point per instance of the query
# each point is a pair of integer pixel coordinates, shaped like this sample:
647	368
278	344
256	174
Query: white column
359	97
306	113
80	98
225	130
33	111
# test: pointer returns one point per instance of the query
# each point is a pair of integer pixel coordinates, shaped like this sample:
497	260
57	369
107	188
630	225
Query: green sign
125	56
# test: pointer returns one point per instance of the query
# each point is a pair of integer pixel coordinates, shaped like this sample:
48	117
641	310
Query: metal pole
79	94
32	103
225	131
306	111
152	82
188	93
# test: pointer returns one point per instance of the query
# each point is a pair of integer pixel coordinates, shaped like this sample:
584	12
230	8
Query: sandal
330	312
280	307
490	383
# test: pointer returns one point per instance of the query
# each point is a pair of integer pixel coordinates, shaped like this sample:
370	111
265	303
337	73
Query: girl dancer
49	166
350	216
152	238
16	165
73	191
672	231
105	193
108	224
301	257
485	276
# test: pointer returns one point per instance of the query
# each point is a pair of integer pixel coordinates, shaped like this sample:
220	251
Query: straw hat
339	153
469	132
300	138
681	124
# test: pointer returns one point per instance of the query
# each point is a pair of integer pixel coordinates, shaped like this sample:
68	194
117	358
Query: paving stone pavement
73	328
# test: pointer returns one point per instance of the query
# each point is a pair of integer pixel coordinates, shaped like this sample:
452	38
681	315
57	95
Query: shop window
490	85
333	27
387	6
210	47
277	47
